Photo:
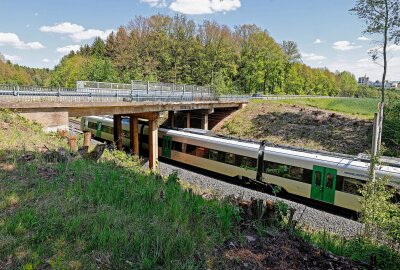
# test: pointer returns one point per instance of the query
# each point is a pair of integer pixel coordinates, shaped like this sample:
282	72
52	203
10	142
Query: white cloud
12	40
45	60
312	57
63	28
344	45
363	38
198	7
13	58
155	3
67	49
36	14
318	41
89	34
75	31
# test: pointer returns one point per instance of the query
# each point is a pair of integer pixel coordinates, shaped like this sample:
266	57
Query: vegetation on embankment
296	123
79	214
84	215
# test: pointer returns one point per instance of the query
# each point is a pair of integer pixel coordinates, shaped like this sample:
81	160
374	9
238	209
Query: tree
291	51
381	18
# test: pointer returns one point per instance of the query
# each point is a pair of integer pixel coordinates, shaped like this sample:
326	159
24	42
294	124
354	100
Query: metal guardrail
280	97
39	94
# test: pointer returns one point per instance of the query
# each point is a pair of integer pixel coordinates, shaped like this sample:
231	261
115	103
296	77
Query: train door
323	184
98	129
166	147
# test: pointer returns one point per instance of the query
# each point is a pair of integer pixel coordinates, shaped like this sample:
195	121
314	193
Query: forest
242	60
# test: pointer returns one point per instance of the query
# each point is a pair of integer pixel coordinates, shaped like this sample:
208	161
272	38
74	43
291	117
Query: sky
37	33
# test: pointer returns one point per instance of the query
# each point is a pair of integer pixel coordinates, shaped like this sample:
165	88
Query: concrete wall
49	119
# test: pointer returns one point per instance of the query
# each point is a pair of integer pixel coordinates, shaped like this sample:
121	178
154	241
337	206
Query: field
363	108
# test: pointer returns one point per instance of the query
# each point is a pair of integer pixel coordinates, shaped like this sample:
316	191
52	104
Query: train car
332	179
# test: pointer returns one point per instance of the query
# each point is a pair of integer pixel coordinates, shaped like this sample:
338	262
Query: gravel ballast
306	216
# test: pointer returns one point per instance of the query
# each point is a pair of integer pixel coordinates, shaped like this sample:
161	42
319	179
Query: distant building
363	80
394	85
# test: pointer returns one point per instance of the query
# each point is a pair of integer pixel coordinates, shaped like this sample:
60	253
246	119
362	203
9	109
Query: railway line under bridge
52	107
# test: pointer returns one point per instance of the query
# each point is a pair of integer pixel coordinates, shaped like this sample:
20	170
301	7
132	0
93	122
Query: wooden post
171	119
72	143
87	137
153	144
134	134
187	123
118	131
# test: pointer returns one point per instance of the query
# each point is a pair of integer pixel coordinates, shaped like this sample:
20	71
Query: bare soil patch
299	126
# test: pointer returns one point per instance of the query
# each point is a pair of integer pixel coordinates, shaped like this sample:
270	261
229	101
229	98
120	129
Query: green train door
323	184
98	129
166	147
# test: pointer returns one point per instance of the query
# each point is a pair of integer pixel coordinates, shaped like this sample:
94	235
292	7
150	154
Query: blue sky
38	33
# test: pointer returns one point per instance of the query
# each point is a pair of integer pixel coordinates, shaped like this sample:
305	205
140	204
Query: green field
360	107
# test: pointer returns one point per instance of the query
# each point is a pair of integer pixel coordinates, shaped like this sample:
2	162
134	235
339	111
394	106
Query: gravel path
311	217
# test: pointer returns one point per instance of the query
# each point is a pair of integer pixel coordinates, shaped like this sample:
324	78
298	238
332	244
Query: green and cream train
326	177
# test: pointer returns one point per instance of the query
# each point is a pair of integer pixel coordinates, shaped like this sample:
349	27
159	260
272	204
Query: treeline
243	60
12	74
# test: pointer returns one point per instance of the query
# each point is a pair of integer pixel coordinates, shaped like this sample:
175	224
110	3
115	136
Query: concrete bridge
53	107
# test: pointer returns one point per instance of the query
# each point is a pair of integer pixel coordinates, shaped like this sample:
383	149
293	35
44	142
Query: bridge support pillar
134	134
118	131
171	118
187	122
204	121
153	143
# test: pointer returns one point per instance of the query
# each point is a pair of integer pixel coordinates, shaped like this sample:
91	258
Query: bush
391	127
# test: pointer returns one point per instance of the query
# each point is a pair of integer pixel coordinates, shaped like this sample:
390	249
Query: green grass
97	214
357	248
361	107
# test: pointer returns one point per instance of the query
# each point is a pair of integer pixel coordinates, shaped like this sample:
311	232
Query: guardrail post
184	88
148	86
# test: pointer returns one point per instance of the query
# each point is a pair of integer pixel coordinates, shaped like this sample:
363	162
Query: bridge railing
40	94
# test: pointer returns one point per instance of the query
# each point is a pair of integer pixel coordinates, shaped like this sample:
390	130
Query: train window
248	162
92	125
213	155
177	146
352	186
295	173
276	169
107	129
318	178
202	152
191	149
307	176
329	181
230	158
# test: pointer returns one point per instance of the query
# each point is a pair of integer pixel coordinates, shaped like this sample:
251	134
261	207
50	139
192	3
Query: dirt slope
299	126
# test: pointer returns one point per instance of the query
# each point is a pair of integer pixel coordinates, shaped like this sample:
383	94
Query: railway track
75	126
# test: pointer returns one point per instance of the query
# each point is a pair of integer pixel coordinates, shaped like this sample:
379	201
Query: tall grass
102	215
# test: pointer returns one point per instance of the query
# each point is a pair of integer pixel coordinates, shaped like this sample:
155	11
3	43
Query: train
327	178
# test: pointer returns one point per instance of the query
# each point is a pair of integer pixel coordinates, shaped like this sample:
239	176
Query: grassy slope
363	108
85	215
291	122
